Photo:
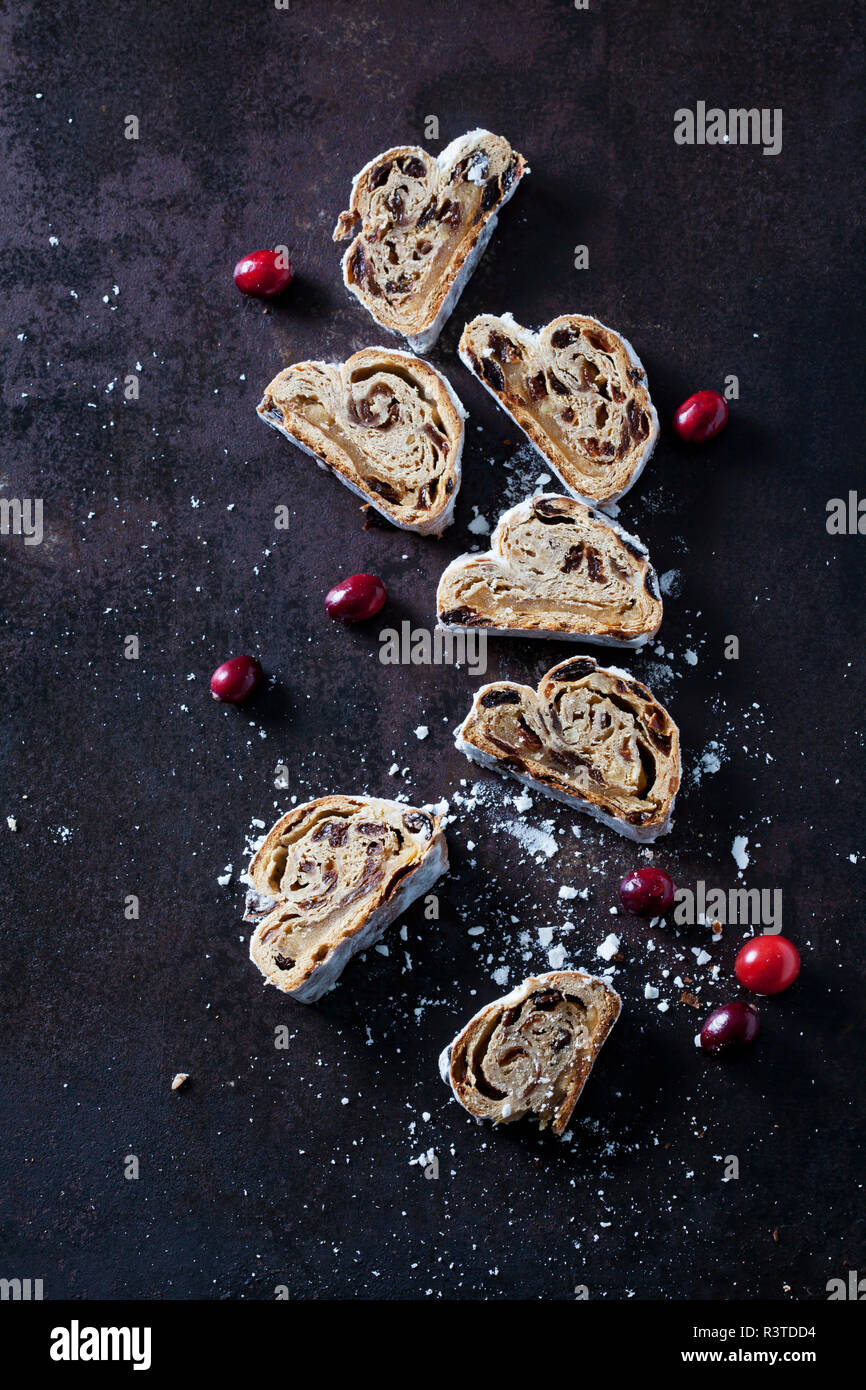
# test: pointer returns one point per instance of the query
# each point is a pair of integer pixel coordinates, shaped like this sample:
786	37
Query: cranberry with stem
647	892
355	599
236	679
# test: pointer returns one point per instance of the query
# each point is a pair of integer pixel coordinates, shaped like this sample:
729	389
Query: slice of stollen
385	423
555	568
328	879
419	225
530	1052
590	736
577	390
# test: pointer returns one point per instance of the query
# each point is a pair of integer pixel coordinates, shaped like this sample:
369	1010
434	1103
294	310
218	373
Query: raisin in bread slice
577	390
530	1052
385	423
419	225
555	568
328	879
590	736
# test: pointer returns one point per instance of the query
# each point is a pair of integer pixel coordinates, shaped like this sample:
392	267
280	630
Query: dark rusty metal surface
293	1167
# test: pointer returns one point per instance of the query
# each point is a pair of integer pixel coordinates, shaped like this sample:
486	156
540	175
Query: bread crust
630	423
511	729
409	468
556	568
405	199
389	853
462	1063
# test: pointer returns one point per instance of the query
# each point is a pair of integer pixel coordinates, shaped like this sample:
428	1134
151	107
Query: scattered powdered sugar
253	841
609	947
535	840
657	675
522	478
709	761
738	850
424	1160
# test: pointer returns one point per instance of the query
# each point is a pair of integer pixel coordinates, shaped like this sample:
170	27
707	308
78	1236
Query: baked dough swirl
329	878
577	390
386	424
530	1052
419	226
590	736
555	568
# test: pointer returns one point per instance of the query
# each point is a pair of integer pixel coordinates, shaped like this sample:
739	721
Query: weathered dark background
125	778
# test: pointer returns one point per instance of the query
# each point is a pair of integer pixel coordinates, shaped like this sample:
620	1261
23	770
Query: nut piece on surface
180	1079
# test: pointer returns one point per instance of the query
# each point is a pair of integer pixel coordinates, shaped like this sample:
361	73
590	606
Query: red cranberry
701	417
263	274
356	598
647	892
730	1027
235	680
768	964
